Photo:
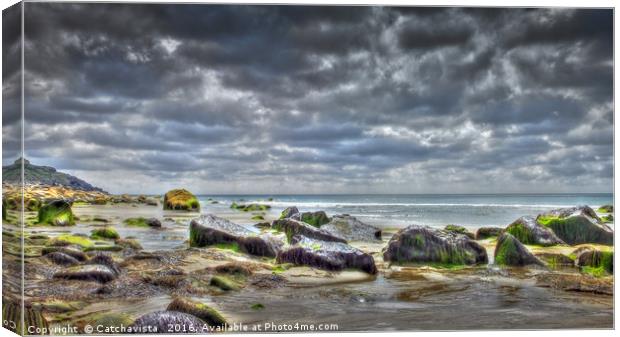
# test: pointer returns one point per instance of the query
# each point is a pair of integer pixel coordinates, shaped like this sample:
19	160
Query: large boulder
94	272
488	232
210	230
351	229
510	252
595	261
530	232
577	225
327	255
294	227
167	322
289	212
181	199
56	213
421	244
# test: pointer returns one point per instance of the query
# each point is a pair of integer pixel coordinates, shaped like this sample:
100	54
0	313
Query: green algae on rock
529	232
250	207
223	283
424	245
316	219
292	227
181	199
510	252
200	310
595	262
56	213
104	233
606	209
460	230
577	225
488	232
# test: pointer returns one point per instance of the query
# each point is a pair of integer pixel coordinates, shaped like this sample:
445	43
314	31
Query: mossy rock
250	207
488	232
105	233
606	209
459	230
138	222
555	260
181	200
316	219
510	252
577	225
223	283
595	262
609	218
129	243
288	212
258	217
200	310
530	232
69	239
56	213
32	204
257	306
424	245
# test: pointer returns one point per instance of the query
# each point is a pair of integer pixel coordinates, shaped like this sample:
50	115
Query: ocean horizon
435	210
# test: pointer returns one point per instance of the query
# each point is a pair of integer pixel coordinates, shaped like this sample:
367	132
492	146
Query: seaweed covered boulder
460	230
488	232
197	309
294	227
510	252
606	209
530	232
250	207
421	244
289	212
210	230
166	321
95	272
56	213
351	229
327	255
181	199
577	225
595	262
316	219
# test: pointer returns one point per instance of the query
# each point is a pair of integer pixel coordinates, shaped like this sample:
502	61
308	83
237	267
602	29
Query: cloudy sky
277	99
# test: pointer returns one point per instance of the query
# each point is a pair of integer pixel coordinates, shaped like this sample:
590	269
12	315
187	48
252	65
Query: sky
140	98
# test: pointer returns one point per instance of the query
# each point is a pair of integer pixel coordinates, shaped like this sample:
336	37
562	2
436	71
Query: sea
435	210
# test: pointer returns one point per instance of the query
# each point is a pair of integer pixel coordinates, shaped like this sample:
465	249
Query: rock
351	229
128	243
250	207
555	259
577	225
460	230
289	212
327	255
488	232
420	244
510	252
316	219
609	218
223	283
529	232
153	222
197	309
166	321
181	199
104	233
595	262
263	225
105	260
56	213
293	227
606	209
210	230
97	273
74	253
62	259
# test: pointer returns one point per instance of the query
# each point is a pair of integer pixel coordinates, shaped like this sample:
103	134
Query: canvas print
199	168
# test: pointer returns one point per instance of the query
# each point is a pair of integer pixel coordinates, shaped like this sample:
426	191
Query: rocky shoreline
85	247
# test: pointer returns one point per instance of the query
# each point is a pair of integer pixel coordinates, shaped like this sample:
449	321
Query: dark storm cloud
392	99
